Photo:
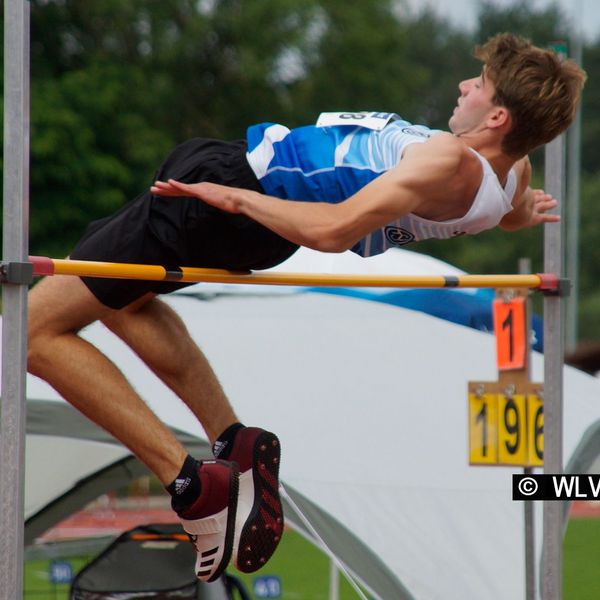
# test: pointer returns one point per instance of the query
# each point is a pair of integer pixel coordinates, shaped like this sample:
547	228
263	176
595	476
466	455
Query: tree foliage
116	84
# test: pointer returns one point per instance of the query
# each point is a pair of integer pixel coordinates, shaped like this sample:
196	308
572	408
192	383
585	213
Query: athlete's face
474	105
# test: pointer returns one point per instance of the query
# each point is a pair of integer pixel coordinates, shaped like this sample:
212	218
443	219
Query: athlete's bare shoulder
444	173
446	154
443	148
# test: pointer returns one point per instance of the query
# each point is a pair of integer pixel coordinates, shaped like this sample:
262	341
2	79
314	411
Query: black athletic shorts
182	231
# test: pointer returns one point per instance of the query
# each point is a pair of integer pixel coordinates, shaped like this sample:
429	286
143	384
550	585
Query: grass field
304	571
581	560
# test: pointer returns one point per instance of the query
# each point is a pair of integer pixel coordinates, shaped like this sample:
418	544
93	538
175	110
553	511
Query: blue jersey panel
308	163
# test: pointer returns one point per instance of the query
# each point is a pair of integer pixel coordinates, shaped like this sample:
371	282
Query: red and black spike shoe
259	518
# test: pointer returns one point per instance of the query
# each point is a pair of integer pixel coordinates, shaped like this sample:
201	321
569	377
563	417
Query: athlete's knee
44	343
41	337
50	311
40	345
38	325
121	320
37	355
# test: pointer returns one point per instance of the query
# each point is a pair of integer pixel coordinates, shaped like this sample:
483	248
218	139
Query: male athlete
354	181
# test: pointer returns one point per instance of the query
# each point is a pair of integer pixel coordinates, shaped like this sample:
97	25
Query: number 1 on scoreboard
511	333
483	429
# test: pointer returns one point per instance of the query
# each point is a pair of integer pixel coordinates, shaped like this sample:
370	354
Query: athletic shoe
259	519
210	521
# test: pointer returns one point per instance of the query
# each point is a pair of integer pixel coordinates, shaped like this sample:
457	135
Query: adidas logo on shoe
181	485
218	447
207	560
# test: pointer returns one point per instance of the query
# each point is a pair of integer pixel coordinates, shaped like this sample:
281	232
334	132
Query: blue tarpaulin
472	308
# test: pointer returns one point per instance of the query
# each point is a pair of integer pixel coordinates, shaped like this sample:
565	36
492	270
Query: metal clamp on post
552	285
564	287
19	273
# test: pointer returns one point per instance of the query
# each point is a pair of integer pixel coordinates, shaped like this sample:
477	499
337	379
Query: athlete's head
540	91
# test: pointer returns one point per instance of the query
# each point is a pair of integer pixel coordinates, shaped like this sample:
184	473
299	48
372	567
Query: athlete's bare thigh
62	303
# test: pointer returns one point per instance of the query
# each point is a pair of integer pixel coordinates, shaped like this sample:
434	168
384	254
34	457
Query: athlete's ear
499	117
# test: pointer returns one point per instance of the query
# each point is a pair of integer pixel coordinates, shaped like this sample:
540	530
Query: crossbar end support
19	273
553	285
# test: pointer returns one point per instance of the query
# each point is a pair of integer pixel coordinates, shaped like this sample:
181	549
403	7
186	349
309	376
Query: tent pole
334	581
14	296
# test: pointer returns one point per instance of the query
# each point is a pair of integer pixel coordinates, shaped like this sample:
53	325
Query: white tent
370	403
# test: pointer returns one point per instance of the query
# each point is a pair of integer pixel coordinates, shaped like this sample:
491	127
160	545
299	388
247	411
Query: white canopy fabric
370	404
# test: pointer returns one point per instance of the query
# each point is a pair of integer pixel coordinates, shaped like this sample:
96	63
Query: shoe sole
229	533
263	526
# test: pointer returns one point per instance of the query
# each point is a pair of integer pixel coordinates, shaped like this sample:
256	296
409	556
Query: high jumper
359	181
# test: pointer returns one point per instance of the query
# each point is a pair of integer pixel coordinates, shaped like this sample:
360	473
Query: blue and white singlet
332	160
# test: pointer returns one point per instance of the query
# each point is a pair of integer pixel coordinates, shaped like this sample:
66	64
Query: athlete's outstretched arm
318	225
420	178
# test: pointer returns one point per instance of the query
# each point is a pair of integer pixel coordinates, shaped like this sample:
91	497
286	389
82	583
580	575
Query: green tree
541	26
358	60
90	152
369	56
590	151
115	85
589	275
445	56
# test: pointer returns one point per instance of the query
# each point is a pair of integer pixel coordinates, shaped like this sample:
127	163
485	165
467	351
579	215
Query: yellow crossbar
53	266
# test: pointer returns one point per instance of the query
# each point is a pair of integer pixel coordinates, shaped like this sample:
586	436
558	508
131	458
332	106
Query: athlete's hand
531	211
222	197
541	204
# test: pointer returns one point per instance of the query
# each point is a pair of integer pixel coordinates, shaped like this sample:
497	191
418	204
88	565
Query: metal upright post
14	295
528	505
551	572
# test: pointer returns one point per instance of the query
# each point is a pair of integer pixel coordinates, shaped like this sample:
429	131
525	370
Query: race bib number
371	120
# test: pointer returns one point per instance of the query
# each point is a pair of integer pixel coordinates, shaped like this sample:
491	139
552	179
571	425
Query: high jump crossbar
545	282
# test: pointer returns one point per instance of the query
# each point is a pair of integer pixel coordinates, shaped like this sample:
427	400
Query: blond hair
540	90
